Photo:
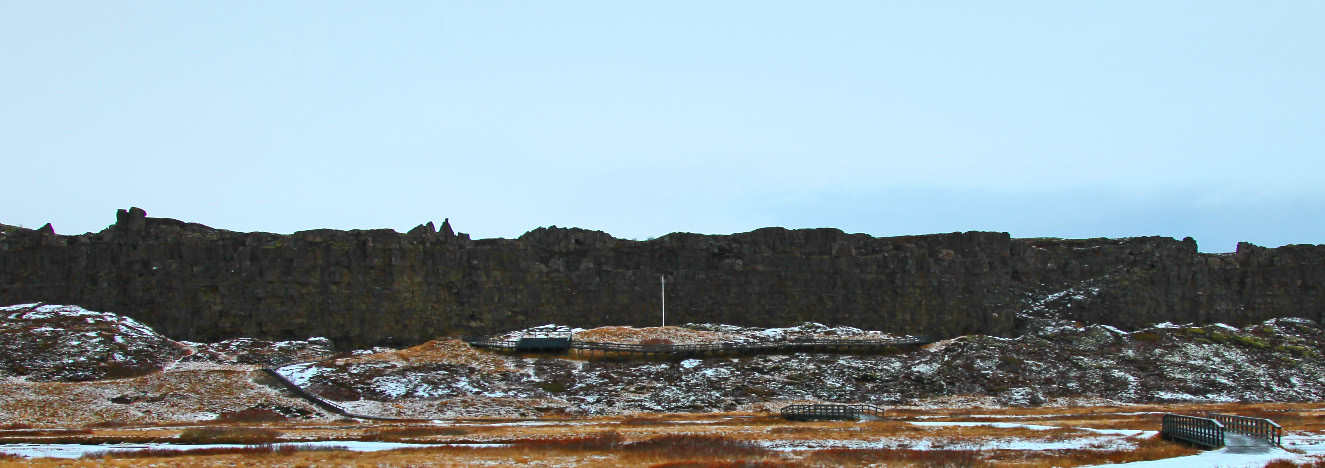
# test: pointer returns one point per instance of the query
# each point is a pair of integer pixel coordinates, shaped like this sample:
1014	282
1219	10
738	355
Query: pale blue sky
1065	119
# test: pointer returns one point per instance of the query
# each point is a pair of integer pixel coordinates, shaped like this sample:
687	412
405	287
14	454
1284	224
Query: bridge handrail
1256	427
832	409
1194	429
319	401
488	343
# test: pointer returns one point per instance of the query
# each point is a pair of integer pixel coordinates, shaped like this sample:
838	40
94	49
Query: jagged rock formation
364	288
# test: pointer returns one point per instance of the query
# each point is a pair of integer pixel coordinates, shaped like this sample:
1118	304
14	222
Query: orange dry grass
595	450
229	435
1152	448
411	434
1111	409
1292	416
903	431
892	457
184	393
259	449
1148	449
447	351
679	440
632	335
728	464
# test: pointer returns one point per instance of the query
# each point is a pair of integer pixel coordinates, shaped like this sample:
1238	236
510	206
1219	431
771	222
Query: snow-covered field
79	450
1230	457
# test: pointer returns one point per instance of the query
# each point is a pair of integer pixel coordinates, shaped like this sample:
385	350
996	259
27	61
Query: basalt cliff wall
376	287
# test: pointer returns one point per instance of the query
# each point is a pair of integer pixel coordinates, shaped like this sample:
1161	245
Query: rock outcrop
363	288
71	344
1274	361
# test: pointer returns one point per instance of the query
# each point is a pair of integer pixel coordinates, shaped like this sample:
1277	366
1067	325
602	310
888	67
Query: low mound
170	397
448	351
70	344
261	352
656	335
708	333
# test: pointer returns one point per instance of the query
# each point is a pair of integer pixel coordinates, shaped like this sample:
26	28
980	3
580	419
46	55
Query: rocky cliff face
374	287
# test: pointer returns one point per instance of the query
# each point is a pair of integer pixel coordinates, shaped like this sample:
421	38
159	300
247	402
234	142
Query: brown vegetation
410	434
106	424
678	440
895	457
261	449
252	415
448	351
713	446
1292	464
646	335
728	464
644	421
1148	449
229	435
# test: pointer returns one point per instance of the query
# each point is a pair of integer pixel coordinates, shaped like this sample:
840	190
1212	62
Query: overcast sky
1062	119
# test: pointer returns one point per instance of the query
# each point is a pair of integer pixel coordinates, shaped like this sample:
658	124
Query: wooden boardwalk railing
1259	428
821	412
680	350
1203	432
319	401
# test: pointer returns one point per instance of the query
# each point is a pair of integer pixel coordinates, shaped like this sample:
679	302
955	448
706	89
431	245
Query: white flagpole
663	279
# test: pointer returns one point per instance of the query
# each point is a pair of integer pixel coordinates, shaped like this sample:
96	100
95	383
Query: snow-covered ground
1104	440
1229	457
78	450
1305	447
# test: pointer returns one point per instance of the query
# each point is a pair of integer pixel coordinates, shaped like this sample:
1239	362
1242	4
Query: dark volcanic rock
363	288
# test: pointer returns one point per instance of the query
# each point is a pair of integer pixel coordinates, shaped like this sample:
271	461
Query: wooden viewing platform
545	339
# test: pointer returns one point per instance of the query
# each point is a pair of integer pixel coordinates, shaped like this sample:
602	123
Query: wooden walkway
321	402
719	349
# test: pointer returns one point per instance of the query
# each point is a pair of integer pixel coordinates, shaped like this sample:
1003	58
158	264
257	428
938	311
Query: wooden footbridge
1222	430
830	412
700	350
